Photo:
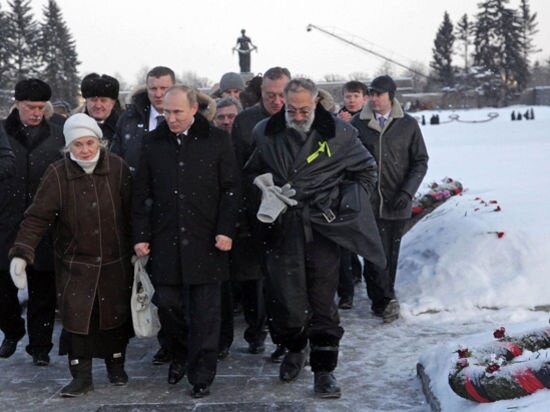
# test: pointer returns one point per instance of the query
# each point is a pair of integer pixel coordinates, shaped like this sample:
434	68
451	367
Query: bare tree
190	78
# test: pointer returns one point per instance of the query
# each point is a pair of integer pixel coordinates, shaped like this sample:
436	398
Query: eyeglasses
303	111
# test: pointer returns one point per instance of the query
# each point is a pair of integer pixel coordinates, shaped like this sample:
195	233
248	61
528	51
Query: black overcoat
185	195
32	159
336	182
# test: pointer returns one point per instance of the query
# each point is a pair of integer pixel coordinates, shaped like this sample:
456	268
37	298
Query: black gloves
400	201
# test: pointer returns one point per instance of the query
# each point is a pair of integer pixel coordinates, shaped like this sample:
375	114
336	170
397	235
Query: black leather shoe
8	347
40	359
256	348
176	372
325	385
346	303
223	353
278	354
292	365
161	357
199	391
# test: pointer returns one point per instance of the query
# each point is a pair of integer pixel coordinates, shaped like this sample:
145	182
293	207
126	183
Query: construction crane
363	48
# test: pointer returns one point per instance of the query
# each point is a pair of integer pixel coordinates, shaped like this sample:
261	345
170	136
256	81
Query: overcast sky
124	36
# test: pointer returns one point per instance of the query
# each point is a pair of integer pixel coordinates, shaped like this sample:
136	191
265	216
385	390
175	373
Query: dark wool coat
185	195
32	159
90	214
132	125
241	132
338	180
7	173
400	153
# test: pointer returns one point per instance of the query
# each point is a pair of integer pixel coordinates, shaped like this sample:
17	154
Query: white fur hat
80	125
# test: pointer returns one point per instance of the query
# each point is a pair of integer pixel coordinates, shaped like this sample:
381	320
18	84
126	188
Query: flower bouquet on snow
438	192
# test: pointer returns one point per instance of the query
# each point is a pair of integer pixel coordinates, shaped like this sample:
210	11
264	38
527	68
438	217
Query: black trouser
40	309
350	269
11	322
254	310
381	281
227	324
301	284
247	273
190	316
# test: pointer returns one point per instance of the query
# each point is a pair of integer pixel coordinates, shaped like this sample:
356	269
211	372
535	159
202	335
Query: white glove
275	199
18	272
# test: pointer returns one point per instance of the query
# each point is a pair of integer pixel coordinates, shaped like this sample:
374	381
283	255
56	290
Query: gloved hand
18	272
400	201
275	199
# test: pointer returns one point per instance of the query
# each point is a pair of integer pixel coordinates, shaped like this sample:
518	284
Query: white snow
455	274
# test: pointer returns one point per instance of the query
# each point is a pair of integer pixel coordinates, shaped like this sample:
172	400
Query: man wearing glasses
330	175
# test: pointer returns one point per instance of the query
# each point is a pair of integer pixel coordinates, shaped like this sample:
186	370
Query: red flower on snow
499	333
500	234
493	367
464	353
498	209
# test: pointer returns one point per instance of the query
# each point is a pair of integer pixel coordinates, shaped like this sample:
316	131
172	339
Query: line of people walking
283	201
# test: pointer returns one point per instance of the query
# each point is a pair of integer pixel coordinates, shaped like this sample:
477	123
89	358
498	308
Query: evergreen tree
528	29
22	37
58	54
464	35
515	68
499	47
5	51
443	52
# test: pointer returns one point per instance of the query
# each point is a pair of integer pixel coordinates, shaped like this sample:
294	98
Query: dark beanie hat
32	89
231	80
383	84
94	85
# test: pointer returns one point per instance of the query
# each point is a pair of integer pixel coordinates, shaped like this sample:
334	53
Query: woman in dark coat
86	197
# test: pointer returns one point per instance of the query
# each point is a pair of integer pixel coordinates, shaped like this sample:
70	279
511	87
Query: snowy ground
456	276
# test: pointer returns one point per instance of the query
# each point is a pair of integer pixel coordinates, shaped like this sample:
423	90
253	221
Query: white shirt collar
153	114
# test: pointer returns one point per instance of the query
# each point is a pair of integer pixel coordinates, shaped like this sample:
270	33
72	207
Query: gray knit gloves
275	199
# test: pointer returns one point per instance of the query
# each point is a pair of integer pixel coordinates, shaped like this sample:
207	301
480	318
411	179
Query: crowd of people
262	195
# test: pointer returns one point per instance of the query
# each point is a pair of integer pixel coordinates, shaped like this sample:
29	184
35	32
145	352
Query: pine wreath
511	367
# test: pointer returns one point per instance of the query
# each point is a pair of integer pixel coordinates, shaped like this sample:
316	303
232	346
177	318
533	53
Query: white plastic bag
145	316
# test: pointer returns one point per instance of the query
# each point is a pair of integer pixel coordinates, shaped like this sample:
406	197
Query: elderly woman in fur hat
86	198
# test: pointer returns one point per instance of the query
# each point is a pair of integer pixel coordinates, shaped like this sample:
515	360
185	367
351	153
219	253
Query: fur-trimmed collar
323	123
396	111
15	128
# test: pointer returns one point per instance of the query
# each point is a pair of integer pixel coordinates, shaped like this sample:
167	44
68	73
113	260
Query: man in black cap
101	94
395	140
36	143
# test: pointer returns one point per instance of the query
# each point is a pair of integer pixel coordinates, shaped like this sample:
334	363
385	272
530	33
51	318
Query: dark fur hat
94	85
32	89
